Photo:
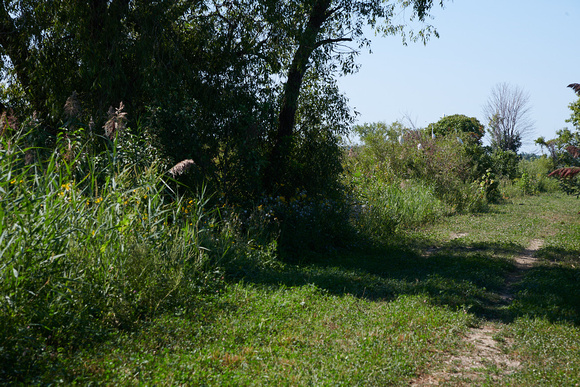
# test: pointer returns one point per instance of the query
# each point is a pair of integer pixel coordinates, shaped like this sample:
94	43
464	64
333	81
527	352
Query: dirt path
483	350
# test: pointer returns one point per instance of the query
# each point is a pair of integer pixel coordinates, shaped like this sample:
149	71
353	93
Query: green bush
458	124
451	165
532	178
537	171
505	163
383	208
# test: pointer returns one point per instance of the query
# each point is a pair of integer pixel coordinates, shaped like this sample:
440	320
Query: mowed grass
370	315
285	336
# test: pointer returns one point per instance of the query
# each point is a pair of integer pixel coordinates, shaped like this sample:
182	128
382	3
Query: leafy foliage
456	124
565	152
226	84
89	245
451	168
568	179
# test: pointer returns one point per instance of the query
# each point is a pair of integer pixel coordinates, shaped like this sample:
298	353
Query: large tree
508	112
324	25
218	81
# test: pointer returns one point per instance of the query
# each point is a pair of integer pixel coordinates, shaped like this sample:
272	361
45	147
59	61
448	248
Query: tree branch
330	41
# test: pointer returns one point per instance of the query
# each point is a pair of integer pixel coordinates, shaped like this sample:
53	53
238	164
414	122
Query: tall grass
386	207
85	249
532	179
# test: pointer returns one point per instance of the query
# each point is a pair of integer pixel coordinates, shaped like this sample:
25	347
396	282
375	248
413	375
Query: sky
532	44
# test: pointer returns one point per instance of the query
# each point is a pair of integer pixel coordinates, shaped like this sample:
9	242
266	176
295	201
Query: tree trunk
283	142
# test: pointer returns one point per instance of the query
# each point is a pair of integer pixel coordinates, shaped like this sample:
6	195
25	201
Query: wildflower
98	200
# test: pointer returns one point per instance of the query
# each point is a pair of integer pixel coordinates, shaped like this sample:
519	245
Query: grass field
396	314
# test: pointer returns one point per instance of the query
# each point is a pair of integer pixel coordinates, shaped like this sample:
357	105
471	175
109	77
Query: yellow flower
98	200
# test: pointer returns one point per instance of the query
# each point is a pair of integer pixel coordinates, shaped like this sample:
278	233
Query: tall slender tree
328	23
508	113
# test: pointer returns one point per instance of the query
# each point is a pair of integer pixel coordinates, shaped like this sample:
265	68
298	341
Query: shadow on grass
473	277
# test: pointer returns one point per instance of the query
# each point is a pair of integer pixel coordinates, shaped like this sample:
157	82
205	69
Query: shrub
458	124
450	164
568	178
505	163
489	185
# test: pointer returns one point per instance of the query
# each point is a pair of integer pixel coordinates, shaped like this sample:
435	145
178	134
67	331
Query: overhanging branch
330	41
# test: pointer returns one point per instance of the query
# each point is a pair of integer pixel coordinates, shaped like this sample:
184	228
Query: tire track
484	351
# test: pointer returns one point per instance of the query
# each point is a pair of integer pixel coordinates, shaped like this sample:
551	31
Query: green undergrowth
88	250
276	336
548	351
112	278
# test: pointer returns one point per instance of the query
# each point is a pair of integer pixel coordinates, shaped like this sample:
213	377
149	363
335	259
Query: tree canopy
236	86
458	123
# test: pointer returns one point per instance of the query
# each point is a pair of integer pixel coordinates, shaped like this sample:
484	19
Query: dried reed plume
7	122
72	107
117	121
181	168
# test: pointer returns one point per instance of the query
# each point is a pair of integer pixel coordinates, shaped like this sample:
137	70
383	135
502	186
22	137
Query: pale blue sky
534	44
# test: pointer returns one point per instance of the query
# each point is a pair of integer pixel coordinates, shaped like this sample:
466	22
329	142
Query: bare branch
508	113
